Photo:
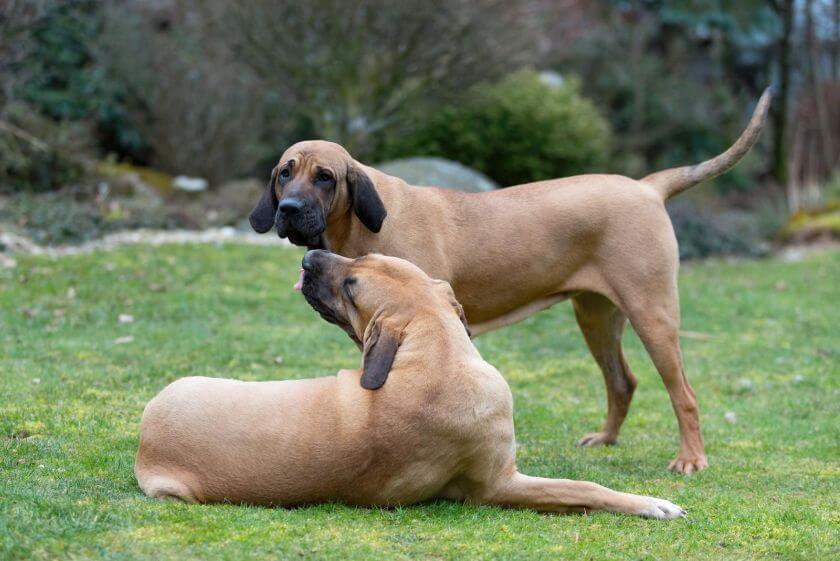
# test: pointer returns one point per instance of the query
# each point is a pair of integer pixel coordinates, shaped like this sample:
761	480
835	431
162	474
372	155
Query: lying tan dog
605	241
440	427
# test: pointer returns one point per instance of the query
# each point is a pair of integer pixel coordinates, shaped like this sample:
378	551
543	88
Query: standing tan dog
605	241
441	426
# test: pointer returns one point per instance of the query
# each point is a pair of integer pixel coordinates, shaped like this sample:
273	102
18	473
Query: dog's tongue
299	283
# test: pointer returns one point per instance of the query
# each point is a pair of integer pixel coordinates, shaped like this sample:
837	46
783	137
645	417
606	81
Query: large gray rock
438	172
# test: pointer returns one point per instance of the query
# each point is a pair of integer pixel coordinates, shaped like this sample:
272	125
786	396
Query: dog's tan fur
441	426
605	241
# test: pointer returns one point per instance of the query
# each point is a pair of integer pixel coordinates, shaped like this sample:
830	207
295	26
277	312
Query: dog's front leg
566	495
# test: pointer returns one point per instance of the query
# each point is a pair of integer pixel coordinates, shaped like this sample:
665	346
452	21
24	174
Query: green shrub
54	218
37	153
64	80
73	215
516	130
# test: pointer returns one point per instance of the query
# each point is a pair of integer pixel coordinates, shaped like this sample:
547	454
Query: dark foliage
700	235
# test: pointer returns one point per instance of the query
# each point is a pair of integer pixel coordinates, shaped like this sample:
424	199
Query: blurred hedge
524	127
37	153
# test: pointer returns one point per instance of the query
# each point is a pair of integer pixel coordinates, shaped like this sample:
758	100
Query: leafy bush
57	66
54	218
521	128
36	153
74	215
63	79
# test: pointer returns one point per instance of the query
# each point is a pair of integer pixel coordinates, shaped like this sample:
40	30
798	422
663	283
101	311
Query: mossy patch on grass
808	226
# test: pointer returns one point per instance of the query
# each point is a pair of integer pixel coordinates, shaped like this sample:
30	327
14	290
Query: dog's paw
659	509
688	466
596	439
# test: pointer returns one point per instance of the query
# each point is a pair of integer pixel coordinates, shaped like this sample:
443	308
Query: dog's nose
310	260
290	207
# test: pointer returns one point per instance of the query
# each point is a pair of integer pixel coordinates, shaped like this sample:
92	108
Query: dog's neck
435	340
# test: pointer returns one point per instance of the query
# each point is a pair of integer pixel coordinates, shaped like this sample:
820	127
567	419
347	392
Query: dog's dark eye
285	173
323	177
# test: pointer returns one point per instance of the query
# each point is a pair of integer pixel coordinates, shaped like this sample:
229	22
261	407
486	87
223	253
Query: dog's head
316	182
374	298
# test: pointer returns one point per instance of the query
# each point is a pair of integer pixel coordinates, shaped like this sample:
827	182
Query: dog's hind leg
656	320
602	324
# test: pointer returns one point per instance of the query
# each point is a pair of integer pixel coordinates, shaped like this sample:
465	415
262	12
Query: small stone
189	184
798	378
730	417
71	293
123	340
780	285
36	381
278	360
126	318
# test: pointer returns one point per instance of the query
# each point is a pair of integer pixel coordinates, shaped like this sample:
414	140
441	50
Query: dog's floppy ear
262	217
459	309
380	348
365	200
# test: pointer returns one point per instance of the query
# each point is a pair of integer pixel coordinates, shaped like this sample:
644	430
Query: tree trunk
780	114
826	140
835	46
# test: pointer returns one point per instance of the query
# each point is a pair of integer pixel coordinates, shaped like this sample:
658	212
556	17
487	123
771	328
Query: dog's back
216	440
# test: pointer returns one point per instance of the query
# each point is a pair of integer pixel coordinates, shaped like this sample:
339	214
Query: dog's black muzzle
301	222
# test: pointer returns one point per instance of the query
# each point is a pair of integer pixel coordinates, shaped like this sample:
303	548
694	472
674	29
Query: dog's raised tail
673	181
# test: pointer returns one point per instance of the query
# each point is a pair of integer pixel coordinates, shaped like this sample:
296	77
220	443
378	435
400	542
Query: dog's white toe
661	509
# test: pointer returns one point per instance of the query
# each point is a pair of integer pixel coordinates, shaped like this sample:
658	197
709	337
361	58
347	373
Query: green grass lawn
71	399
